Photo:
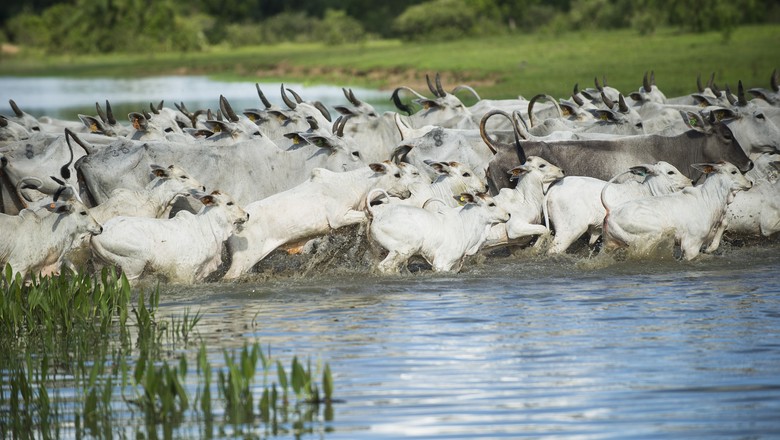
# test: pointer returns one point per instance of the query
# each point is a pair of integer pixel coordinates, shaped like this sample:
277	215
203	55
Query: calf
453	178
573	204
444	238
33	242
185	248
328	200
692	215
524	202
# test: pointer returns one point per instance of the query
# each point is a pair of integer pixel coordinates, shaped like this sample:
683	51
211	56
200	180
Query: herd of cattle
184	193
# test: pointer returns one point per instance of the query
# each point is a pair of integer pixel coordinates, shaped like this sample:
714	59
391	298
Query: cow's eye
230	203
491	204
671	173
542	166
734	173
466	174
83	213
760	116
169	130
184	177
397	175
356	153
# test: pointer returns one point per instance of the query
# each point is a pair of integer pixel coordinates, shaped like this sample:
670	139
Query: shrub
437	20
339	28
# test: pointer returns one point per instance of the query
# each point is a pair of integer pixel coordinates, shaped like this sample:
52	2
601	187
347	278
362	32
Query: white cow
34	242
327	201
692	215
756	212
185	248
153	201
573	205
444	238
453	178
524	202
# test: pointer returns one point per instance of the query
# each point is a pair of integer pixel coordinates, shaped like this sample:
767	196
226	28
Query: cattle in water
692	216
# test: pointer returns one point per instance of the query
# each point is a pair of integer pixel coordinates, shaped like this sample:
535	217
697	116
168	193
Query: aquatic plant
73	369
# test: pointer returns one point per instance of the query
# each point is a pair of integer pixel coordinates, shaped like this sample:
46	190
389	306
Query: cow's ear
254	115
568	109
642	170
439	167
94	124
208	200
159	171
318	141
721	114
705	168
464	198
281	117
516	172
604	115
58	207
694	121
378	167
701	100
636	96
138	121
427	103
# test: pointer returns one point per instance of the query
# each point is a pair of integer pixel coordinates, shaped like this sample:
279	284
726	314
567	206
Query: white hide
34	241
327	201
524	202
692	215
185	248
444	238
574	206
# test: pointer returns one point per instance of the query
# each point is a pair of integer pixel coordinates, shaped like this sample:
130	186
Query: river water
516	345
519	345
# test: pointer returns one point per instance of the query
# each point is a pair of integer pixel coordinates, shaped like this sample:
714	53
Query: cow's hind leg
392	262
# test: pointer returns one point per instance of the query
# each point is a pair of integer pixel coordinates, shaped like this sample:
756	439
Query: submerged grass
499	67
73	364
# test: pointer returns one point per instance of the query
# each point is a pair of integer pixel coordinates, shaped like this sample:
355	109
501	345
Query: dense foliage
136	26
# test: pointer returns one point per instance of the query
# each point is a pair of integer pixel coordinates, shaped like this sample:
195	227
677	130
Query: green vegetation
76	363
498	67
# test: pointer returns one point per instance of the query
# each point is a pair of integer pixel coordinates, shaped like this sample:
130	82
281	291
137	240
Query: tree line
104	26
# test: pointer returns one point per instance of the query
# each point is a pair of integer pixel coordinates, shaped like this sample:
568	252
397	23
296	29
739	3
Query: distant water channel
515	346
65	98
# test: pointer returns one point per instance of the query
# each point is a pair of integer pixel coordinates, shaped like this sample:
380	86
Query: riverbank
498	67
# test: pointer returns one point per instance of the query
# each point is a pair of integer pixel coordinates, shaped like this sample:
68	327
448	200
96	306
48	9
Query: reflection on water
526	346
66	97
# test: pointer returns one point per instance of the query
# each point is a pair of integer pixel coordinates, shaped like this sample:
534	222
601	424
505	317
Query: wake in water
348	252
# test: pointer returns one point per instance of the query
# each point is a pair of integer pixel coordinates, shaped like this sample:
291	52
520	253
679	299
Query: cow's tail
545	210
370	199
604	202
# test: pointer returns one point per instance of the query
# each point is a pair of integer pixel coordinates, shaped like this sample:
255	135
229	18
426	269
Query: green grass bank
498	67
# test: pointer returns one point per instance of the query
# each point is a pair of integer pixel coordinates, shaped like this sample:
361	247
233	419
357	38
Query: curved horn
577	99
431	87
598	86
65	170
622	107
608	102
17	111
699	87
519	125
110	114
321	107
100	113
712	80
397	100
399	154
652	77
730	96
442	93
89	149
340	128
467	88
23	182
263	99
533	101
297	97
287	101
147	115
483	132
227	110
741	100
773	81
153	109
350	95
716	91
646	84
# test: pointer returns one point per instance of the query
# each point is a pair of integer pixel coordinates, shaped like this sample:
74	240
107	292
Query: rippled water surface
524	346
